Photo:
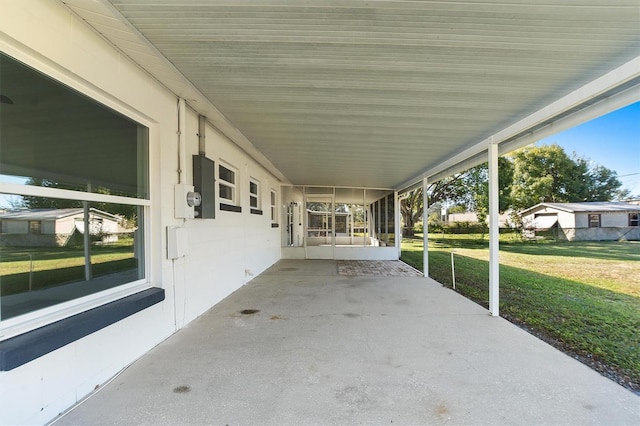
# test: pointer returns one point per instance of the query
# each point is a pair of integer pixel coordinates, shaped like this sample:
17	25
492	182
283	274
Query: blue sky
612	141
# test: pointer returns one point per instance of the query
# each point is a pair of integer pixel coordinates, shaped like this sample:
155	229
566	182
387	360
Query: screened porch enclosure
338	223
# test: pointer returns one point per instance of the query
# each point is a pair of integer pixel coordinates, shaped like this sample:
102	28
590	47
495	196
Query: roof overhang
385	93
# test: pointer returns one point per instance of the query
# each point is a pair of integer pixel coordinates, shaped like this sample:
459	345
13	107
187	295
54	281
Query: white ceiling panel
369	93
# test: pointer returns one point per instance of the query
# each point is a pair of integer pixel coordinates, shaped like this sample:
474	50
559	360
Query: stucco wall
607	219
223	253
612	233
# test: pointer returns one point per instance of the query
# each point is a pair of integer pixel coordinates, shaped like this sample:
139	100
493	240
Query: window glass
54	137
634	219
226	192
226	185
594	221
273	206
34	227
254	198
40	269
54	249
227	175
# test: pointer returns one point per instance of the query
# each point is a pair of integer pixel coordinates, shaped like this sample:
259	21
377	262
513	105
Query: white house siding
65	225
575	226
15	227
567	220
223	253
607	219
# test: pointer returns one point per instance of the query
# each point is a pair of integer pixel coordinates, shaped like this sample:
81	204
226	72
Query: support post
425	229
494	249
397	229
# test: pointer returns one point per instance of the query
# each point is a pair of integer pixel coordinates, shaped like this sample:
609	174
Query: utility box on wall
204	183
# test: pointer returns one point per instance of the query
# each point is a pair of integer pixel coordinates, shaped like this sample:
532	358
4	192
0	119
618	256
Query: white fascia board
594	99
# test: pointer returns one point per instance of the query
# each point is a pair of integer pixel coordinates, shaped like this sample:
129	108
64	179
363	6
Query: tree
412	206
128	212
32	202
548	174
468	188
477	184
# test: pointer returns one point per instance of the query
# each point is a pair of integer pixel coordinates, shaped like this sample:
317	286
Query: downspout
182	165
202	127
182	145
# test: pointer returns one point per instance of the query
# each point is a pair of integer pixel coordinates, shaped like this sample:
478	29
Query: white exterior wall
223	253
565	219
607	219
66	225
48	227
15	227
614	219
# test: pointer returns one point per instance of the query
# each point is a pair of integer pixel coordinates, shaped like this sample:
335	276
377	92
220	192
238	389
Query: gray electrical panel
204	182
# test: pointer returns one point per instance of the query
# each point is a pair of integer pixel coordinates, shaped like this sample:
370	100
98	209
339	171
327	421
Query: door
320	227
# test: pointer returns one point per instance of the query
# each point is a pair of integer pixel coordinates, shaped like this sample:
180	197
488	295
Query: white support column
425	229
494	249
396	222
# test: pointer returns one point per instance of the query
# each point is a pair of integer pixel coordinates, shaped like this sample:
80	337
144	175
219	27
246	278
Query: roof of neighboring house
595	206
51	214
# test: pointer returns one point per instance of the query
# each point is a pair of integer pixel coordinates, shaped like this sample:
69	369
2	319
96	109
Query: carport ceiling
373	93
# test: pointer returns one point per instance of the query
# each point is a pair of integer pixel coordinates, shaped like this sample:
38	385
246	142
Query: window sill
256	211
230	208
26	347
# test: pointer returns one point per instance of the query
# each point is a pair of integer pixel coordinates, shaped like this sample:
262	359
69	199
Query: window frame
33	320
636	219
255	196
224	201
35	227
273	202
594	220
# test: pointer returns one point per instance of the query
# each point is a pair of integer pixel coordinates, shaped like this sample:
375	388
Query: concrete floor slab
330	349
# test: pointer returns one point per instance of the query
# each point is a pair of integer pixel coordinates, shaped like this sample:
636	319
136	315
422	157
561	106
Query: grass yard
582	297
59	265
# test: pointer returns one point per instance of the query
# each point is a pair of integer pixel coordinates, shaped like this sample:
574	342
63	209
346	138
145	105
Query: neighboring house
593	221
55	227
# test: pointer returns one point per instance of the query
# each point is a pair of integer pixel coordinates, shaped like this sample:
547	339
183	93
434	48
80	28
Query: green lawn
583	297
59	265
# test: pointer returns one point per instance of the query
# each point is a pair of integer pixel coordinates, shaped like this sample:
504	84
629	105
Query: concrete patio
317	347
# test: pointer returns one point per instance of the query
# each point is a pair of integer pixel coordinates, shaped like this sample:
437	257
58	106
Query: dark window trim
256	211
230	208
275	225
599	224
35	230
31	345
636	219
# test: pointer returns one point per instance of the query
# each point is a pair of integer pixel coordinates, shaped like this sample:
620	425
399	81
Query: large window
73	193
